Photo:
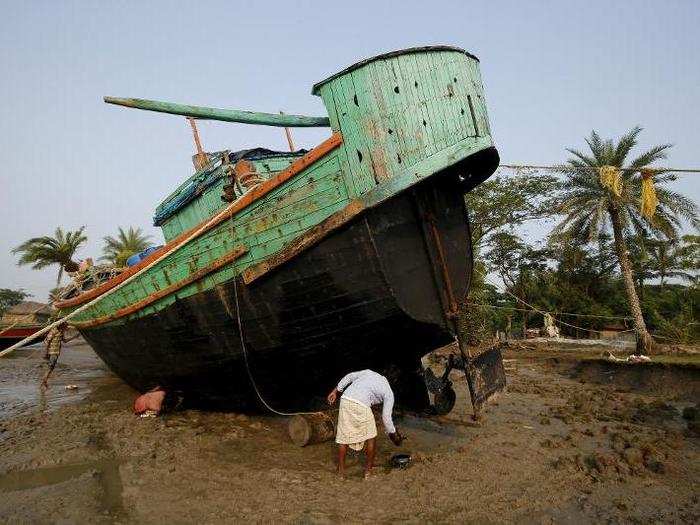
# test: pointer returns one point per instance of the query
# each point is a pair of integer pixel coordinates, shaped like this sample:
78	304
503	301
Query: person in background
356	426
53	342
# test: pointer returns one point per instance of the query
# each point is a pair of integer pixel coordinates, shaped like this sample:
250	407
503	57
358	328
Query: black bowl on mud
401	461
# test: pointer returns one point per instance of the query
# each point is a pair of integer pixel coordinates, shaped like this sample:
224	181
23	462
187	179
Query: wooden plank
259	191
192	278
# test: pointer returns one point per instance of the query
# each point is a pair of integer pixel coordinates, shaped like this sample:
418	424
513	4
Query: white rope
534	308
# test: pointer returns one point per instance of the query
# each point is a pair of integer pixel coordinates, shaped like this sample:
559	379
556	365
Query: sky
552	71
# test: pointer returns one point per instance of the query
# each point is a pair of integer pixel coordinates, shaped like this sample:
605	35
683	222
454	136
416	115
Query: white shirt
368	388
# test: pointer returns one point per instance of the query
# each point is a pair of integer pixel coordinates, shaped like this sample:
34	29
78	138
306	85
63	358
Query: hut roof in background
29	307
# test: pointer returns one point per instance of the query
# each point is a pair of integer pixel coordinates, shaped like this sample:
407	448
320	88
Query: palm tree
127	243
666	259
590	208
41	252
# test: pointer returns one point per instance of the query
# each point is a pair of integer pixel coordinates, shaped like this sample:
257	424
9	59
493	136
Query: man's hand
332	397
396	438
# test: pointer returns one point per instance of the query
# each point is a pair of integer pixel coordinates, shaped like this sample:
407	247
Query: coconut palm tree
127	243
591	208
60	249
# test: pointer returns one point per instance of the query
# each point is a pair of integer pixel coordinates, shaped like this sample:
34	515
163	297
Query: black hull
367	296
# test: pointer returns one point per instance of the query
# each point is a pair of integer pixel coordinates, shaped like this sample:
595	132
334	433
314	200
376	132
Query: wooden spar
246	200
201	157
225	115
288	133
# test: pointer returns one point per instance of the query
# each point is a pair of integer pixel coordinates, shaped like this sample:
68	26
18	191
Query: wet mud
574	439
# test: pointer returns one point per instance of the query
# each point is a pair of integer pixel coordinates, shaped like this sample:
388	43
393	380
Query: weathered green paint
209	201
399	111
226	115
403	118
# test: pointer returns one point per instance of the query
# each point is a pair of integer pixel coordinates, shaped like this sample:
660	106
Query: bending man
356	424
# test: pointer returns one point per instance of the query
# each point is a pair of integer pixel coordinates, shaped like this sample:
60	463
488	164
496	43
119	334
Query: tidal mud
567	442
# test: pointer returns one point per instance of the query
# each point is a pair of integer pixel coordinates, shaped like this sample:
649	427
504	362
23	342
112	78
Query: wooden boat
355	254
21	321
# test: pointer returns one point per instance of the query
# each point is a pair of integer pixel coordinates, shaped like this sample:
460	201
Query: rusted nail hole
354	99
398	158
359	155
415	83
389	131
424	123
396	89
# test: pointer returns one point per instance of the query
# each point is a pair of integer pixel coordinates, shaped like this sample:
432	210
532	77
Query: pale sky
553	71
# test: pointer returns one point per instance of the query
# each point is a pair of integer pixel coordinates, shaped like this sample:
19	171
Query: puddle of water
107	473
20	389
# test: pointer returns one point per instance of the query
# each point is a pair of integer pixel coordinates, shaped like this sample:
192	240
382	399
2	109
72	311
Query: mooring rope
244	350
538	310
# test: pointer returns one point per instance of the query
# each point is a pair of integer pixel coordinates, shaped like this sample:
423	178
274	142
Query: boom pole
225	115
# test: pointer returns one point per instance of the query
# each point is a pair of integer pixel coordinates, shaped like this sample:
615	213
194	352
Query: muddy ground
574	439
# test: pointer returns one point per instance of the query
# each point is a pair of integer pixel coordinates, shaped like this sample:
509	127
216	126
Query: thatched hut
27	313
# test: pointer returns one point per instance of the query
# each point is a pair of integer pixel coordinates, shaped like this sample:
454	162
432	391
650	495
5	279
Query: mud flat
566	443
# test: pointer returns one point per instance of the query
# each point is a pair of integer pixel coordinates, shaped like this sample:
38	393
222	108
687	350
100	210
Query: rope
534	308
245	355
557	313
586	168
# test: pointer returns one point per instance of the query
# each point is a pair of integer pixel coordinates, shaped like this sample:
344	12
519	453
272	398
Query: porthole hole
461	111
424	123
359	155
396	89
389	131
454	80
398	158
415	83
354	99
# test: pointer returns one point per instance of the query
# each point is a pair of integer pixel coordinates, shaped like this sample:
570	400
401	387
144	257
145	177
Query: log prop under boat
353	255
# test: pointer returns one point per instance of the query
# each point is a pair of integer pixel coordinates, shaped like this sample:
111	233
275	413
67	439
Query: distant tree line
598	257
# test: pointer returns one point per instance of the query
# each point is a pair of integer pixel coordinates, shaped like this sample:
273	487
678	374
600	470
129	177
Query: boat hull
366	296
9	337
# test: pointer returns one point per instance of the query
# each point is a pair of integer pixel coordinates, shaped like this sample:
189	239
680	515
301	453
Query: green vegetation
9	298
127	243
45	251
604	260
590	208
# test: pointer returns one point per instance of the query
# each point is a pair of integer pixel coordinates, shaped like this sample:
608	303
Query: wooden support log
308	429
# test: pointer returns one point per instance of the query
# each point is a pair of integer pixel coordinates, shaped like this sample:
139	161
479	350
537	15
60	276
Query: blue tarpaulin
209	176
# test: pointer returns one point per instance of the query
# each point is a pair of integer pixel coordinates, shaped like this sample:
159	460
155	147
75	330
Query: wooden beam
225	115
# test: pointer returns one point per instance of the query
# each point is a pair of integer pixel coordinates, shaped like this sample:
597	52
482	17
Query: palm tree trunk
60	276
644	340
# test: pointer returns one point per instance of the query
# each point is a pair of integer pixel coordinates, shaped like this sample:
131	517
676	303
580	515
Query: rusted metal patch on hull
194	277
